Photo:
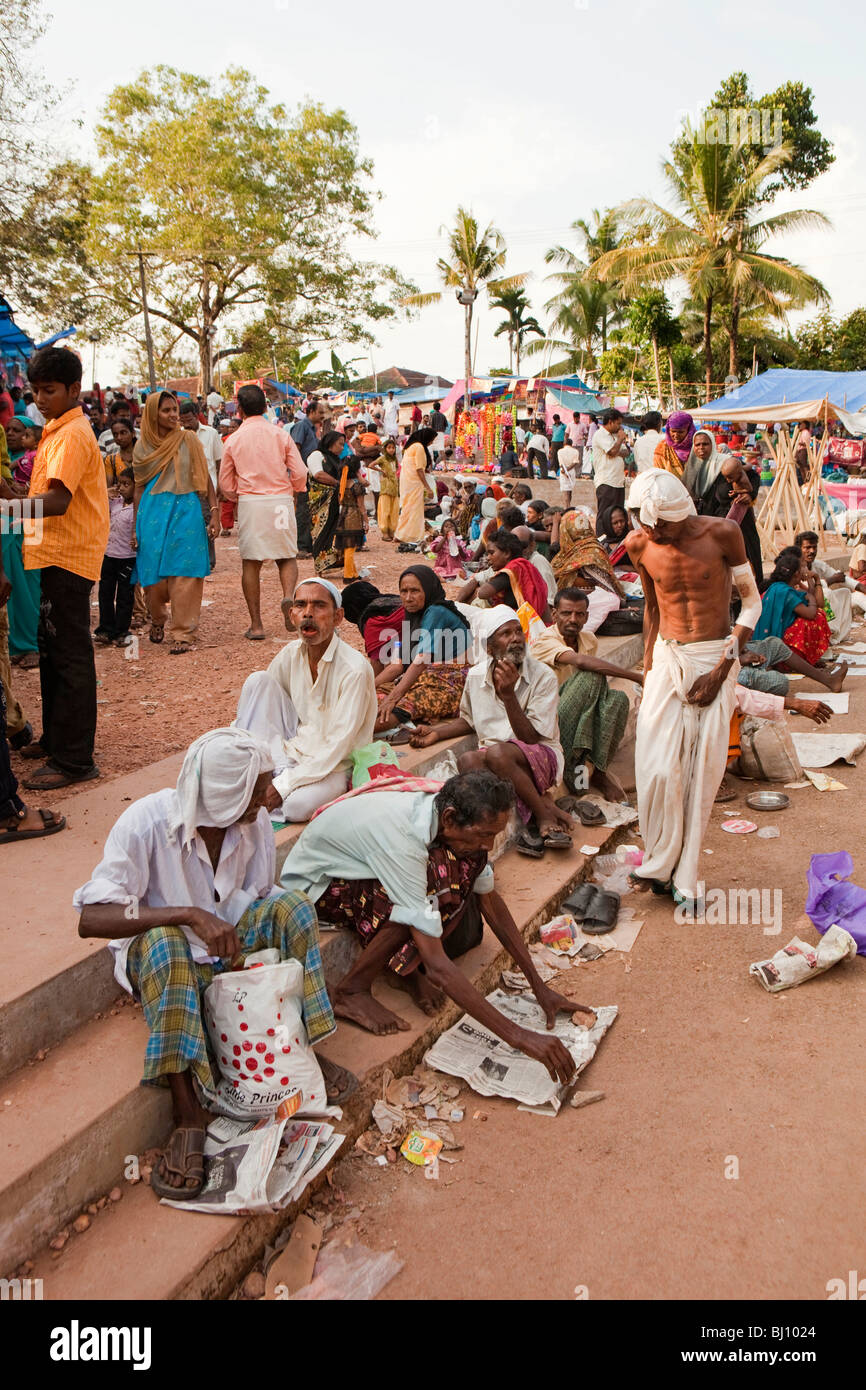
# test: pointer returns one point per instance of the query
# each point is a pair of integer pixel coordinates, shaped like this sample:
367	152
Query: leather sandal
182	1156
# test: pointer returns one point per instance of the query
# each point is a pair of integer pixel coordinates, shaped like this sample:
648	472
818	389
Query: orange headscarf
154	453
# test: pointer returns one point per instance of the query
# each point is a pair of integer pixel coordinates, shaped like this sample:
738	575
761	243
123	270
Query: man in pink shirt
262	468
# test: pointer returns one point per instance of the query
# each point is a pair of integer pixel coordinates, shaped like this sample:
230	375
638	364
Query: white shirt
540	442
213	449
35	414
519	434
391	412
569	461
336	713
609	472
644	449
379	834
537	692
545	569
145	864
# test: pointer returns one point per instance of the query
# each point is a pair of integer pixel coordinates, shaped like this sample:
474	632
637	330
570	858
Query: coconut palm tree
576	324
713	240
599	237
517	325
475	261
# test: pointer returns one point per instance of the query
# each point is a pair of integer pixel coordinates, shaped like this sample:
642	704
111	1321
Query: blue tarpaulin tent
783	395
14	342
56	337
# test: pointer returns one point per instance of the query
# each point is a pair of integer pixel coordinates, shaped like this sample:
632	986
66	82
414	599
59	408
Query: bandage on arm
750	599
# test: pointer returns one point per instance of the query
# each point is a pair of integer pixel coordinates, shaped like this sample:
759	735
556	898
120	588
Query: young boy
65	538
116	589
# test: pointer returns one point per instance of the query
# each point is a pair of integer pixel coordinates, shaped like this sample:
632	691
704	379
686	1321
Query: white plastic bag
255	1023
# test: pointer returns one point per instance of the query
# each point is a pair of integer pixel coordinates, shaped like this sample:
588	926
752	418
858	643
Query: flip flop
660	889
557	839
186	1142
50	779
29	661
588	813
602	913
579	901
180	648
157	633
254	636
530	844
24	739
51	823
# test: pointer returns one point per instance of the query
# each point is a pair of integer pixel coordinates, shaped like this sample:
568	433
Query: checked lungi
170	984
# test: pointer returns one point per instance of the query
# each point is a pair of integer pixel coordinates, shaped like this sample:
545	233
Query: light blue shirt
382	835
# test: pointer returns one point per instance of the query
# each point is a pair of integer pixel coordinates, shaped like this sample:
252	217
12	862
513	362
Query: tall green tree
650	317
713	240
475	260
829	344
518	324
599	237
237	204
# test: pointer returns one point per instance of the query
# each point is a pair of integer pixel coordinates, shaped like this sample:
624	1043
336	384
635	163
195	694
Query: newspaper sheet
263	1165
492	1068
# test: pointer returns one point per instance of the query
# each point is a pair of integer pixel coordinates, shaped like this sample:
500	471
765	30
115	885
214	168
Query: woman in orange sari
672	452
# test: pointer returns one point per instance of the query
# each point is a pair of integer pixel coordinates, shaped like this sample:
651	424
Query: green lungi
592	720
170	984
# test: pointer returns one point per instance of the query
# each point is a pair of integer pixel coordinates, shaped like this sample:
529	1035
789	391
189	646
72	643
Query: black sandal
157	633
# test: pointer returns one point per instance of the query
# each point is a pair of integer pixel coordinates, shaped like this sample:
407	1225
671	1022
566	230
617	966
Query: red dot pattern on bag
271	1032
236	1063
251	1063
248	1047
236	1050
243	1027
223	1037
224	1061
260	1047
269	1071
287	1049
269	1058
240	1008
284	1081
297	1042
279	1015
257	1077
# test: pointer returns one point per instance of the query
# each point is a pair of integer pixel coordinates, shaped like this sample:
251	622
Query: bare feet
837	676
609	786
359	1006
426	995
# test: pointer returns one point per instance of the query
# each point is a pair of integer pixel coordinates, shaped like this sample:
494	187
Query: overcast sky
531	115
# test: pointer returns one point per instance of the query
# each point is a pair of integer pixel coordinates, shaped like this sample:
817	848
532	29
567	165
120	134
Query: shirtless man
687	564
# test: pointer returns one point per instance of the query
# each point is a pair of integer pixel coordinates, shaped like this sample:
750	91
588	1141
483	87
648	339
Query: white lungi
267	528
681	752
265	710
840	600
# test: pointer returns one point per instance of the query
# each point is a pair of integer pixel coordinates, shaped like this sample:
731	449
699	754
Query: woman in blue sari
171	538
429	657
793	609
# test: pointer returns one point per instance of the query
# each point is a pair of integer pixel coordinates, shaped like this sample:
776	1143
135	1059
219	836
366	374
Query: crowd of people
490	639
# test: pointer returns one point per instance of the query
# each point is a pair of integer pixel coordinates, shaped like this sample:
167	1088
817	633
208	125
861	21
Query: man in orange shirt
66	532
262	469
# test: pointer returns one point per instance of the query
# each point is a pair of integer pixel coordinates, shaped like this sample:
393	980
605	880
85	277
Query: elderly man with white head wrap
687	565
186	885
510	702
314	704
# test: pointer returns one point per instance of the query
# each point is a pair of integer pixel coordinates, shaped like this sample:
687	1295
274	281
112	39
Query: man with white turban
314	704
186	885
510	701
687	564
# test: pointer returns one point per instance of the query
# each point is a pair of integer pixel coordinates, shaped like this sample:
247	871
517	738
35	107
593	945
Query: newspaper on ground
260	1165
799	960
492	1068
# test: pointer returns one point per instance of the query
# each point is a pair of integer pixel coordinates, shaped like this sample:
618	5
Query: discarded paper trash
799	961
492	1068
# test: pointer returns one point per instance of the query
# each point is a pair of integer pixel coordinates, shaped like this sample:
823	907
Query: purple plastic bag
830	900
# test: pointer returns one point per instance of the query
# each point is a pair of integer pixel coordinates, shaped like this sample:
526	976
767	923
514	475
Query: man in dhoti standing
687	564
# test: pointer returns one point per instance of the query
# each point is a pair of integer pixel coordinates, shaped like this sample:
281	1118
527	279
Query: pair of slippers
533	844
595	909
586	811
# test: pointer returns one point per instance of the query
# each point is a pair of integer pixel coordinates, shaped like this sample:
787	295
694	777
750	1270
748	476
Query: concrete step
76	1116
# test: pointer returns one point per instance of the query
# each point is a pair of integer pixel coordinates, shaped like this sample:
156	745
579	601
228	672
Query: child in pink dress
451	553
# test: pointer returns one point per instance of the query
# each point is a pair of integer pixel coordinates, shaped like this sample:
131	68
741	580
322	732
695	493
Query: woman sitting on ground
581	561
514	581
793	608
613	529
428	654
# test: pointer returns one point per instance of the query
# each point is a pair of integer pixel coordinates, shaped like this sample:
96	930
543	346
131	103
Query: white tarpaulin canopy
783	396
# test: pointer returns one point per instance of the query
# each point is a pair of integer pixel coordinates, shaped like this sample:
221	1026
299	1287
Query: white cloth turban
657	495
497	617
217	779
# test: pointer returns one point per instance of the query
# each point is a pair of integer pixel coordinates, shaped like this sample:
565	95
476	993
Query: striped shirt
75	541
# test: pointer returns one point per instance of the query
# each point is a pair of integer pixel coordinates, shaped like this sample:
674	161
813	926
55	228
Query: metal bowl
768	801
